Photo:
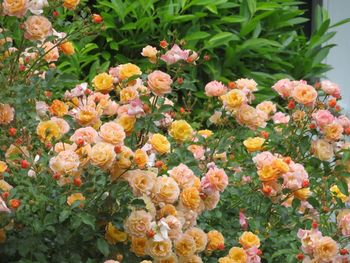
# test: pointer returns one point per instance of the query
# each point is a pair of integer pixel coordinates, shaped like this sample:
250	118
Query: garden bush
131	167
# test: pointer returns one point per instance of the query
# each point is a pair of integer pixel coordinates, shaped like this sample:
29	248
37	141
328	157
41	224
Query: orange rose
76	197
67	48
71	4
248	240
215	240
190	198
58	108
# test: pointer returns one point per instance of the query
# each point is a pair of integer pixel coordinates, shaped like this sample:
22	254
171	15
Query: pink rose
280	118
111	108
51	51
323	118
62	124
330	88
248	84
159	83
175	54
344	121
215	89
183	176
215	180
283	87
262	159
243	221
295	177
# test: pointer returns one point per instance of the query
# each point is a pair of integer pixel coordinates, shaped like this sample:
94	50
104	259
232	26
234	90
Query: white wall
339	56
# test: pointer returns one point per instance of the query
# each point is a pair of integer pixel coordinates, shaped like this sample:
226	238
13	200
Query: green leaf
219	39
102	246
88	220
251	6
64	215
196	35
341	22
233	19
343	187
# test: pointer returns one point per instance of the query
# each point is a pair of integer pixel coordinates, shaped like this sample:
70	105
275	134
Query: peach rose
190	198
185	245
142	182
138	246
344	121
84	154
112	133
215	89
166	190
302	194
198	151
37	28
215	240
127	121
6	113
66	162
211	200
76	197
140	158
102	155
175	226
88	135
330	88
71	4
159	83
138	223
159	249
248	240
254	144
343	220
87	115
325	249
62	124
125	157
150	53
215	180
280	118
267	106
249	116
182	175
51	52
15	7
333	131
61	146
200	238
128	94
322	149
249	84
304	94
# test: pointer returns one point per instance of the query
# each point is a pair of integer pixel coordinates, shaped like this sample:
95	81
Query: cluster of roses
37	28
250	253
166	229
319	248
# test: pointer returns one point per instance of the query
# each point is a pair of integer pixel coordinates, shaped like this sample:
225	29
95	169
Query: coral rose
37	28
159	83
181	131
67	48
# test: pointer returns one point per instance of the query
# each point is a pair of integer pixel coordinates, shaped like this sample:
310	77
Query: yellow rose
48	130
267	173
84	154
5	186
336	192
128	70
3	167
15	7
125	157
58	108
233	99
138	246
113	235
71	4
181	130
167	210
215	240
128	94
254	144
322	149
140	158
280	166
2	236
103	83
160	143
67	48
248	240
102	155
128	122
185	245
226	260
190	198
302	194
76	197
205	133
238	255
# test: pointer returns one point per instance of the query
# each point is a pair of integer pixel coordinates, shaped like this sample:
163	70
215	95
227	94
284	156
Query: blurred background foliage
260	39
